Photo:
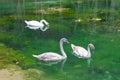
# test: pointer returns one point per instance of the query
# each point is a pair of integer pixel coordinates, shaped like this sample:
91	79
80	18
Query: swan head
92	47
44	22
64	40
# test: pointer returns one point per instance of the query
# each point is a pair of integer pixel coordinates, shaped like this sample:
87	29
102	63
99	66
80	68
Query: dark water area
80	21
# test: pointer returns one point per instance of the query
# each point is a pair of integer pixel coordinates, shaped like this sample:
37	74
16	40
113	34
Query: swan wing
32	23
50	56
79	51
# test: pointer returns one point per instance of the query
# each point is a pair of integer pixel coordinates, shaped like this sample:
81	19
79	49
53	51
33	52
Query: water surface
81	22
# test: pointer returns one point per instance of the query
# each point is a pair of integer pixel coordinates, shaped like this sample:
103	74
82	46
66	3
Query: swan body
81	52
52	56
33	23
37	25
49	56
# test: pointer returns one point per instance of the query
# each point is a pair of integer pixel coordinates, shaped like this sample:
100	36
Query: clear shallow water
105	62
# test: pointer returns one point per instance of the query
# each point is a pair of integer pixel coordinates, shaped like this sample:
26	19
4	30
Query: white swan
51	56
81	52
36	24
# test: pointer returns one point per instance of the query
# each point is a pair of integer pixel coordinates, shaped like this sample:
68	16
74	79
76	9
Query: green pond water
81	22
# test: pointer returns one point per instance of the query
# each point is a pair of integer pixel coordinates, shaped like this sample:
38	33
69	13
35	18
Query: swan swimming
37	25
81	52
52	56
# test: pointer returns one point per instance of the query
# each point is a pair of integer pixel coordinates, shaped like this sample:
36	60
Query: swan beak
68	42
46	23
93	51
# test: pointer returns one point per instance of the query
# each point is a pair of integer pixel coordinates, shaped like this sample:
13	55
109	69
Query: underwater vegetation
104	63
80	21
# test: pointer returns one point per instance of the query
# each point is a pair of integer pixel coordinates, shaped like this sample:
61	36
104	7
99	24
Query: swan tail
35	56
26	21
72	45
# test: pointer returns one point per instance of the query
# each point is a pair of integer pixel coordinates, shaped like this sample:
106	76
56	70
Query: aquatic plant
9	56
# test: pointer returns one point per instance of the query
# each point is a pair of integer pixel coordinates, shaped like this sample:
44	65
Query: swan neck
42	21
89	53
62	50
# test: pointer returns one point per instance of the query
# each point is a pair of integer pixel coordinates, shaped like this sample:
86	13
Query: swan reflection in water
43	25
51	63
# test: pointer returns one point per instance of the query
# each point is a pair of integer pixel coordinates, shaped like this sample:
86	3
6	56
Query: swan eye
64	39
92	46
